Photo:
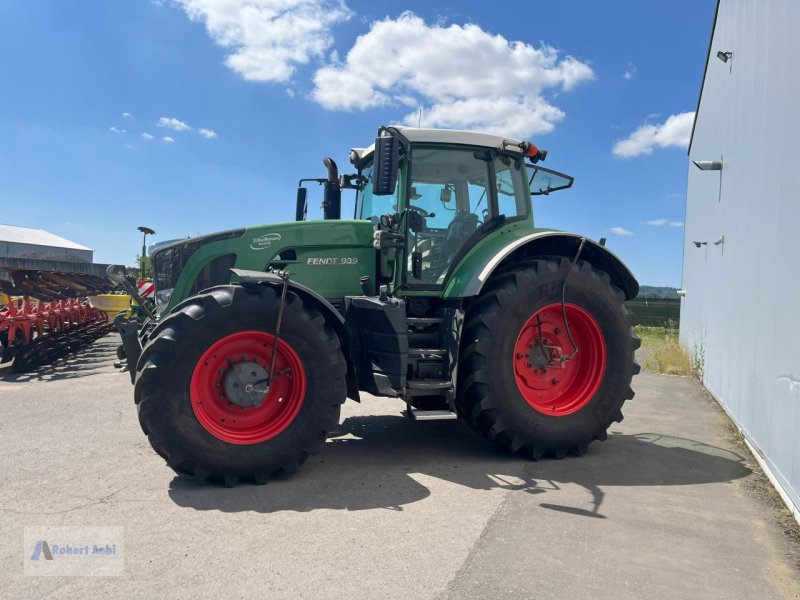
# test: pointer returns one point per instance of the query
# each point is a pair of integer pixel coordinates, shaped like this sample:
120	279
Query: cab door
449	196
453	194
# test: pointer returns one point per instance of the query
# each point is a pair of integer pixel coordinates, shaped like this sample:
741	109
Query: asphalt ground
671	506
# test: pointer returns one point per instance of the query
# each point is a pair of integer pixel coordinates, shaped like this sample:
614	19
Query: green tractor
440	292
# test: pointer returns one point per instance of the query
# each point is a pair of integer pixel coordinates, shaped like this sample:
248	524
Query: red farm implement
46	314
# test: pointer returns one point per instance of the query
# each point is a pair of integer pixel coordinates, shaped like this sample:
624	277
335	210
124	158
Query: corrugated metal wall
36	252
741	311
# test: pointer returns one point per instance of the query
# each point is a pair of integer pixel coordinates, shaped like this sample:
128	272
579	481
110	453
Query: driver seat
463	225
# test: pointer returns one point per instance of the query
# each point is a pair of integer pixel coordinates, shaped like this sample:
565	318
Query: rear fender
554	243
333	316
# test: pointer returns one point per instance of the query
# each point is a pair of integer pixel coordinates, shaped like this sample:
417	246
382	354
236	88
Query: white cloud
675	131
268	38
172	123
147	136
168	139
462	76
117	130
290	92
209	134
630	72
127	115
662	222
620	231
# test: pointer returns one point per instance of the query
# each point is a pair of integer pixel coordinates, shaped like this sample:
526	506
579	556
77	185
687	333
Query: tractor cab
440	193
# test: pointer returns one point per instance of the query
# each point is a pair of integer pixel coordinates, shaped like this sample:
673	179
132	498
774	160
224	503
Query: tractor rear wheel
521	385
201	393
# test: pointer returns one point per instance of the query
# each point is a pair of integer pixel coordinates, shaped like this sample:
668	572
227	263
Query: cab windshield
369	206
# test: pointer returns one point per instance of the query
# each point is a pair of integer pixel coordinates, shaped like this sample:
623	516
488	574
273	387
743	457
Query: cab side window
512	190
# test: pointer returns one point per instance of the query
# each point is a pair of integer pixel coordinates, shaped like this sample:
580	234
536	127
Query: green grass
662	352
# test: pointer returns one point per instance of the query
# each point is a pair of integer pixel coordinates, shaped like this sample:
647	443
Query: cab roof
448	136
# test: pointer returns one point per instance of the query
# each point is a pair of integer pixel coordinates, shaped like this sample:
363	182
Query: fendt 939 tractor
440	292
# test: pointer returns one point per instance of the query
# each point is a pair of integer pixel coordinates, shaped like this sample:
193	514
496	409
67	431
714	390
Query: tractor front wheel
202	393
538	384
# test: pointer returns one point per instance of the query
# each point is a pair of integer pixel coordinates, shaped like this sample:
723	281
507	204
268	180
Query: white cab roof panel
450	136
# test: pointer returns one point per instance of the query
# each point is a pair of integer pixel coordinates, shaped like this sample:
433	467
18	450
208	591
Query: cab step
427	352
424	321
429	385
430	415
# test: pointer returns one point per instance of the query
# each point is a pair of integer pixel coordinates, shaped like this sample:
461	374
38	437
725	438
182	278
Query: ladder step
427	351
429	384
423	321
431	415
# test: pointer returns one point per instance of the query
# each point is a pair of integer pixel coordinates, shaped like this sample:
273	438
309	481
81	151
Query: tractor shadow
377	462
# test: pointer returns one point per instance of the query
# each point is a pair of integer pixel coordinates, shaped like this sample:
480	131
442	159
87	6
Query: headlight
162	299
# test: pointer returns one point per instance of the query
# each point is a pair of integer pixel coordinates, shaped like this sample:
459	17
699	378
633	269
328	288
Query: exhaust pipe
332	203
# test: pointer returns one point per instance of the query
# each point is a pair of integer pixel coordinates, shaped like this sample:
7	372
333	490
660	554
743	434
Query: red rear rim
220	379
548	383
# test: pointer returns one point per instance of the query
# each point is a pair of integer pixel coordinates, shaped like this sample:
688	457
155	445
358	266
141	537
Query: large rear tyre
200	388
518	385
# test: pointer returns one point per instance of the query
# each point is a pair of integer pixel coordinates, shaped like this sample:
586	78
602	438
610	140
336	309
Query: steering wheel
421	211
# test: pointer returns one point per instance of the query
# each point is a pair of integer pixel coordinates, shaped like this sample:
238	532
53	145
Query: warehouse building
740	315
37	244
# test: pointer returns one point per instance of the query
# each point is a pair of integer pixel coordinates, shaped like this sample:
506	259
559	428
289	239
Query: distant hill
652	291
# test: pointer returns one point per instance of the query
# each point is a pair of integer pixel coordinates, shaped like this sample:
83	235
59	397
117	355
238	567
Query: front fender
545	243
333	316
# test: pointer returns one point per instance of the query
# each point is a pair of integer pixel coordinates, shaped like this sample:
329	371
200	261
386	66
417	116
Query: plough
45	315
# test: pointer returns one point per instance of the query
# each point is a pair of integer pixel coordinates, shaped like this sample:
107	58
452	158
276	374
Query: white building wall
741	311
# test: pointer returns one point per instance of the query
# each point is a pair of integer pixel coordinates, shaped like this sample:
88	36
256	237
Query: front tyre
521	385
200	386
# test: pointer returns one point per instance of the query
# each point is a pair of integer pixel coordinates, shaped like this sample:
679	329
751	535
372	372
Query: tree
137	270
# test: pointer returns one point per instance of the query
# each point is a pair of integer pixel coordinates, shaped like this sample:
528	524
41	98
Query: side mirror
387	160
302	204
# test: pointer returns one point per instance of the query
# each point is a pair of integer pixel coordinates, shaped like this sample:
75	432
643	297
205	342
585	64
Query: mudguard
335	318
551	243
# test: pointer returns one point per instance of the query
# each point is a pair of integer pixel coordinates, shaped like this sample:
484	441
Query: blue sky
253	98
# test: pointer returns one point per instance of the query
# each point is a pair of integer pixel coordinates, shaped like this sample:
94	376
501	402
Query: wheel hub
540	355
245	384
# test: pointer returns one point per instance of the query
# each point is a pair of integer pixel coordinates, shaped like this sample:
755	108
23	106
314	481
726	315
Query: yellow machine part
112	304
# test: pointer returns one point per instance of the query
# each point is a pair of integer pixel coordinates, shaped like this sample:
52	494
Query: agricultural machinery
440	292
45	314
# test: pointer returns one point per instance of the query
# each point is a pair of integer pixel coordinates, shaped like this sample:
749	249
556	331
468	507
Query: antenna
419	121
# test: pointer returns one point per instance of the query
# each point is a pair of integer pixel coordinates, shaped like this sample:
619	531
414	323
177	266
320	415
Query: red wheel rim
549	384
231	422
